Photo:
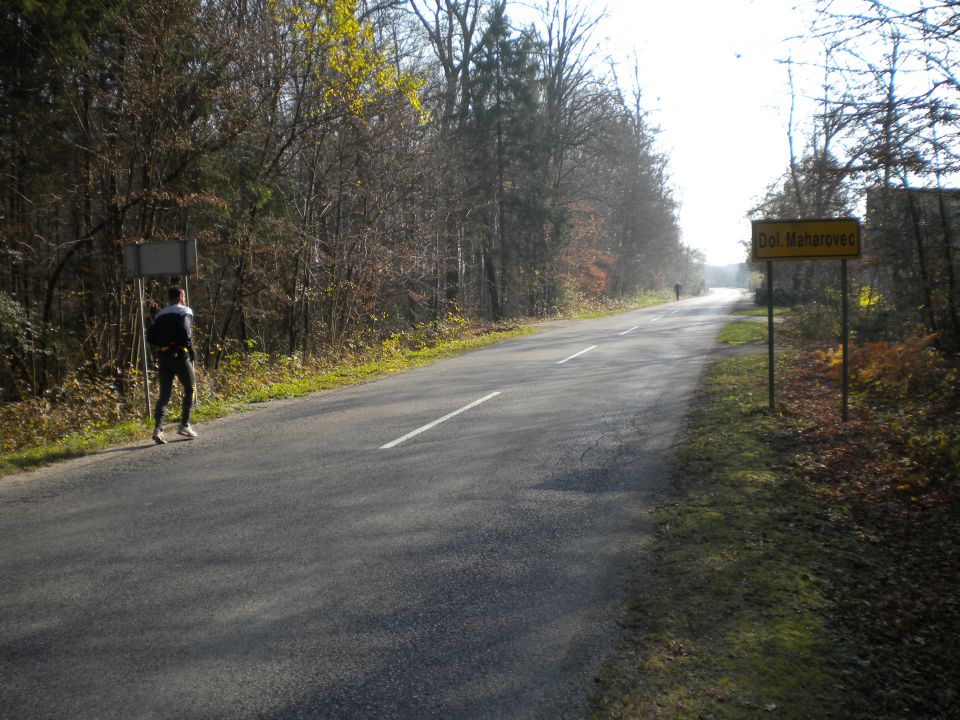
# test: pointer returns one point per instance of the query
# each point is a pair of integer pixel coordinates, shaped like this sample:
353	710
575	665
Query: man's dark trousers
175	364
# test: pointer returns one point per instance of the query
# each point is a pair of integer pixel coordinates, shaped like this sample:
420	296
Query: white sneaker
158	437
187	431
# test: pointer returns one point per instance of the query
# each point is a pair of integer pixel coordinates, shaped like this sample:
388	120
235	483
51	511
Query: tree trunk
922	267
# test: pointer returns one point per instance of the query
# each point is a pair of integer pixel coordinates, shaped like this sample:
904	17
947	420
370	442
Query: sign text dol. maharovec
805	239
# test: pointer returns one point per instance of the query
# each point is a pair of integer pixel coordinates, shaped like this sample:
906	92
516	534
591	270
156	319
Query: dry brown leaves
898	601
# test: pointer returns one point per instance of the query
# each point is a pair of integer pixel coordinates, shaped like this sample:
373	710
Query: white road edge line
627	332
429	426
576	355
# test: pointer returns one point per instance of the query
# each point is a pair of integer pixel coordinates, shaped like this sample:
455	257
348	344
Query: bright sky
709	74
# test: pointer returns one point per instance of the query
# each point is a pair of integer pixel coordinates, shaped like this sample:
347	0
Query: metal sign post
178	257
770	333
845	334
144	353
808	240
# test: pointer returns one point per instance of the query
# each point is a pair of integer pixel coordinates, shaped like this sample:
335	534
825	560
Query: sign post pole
183	262
770	330
845	332
837	238
175	257
144	354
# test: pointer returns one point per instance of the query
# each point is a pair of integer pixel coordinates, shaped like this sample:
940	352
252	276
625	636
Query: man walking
172	334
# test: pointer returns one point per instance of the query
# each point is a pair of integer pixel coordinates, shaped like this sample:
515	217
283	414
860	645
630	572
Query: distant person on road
171	333
677	288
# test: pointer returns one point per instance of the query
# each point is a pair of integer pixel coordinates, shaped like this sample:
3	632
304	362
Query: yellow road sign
805	239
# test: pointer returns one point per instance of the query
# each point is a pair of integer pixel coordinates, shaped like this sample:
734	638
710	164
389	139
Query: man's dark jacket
171	330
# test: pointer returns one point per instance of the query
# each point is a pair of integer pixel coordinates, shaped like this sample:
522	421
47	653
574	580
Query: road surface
451	542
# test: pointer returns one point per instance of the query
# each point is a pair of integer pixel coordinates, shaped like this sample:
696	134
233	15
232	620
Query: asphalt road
321	558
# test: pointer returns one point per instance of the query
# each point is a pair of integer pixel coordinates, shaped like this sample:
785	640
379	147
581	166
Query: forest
349	169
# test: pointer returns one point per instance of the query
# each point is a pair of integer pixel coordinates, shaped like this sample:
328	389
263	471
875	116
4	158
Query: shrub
894	371
915	389
815	322
81	404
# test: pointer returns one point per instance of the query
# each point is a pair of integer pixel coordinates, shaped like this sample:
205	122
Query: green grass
761	311
73	445
589	310
728	621
397	362
743	332
296	384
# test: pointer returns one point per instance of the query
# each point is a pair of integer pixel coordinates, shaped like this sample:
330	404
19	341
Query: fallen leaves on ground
898	600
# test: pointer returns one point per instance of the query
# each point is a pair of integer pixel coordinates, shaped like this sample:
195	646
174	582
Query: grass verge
352	374
728	622
761	311
299	381
583	309
743	332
